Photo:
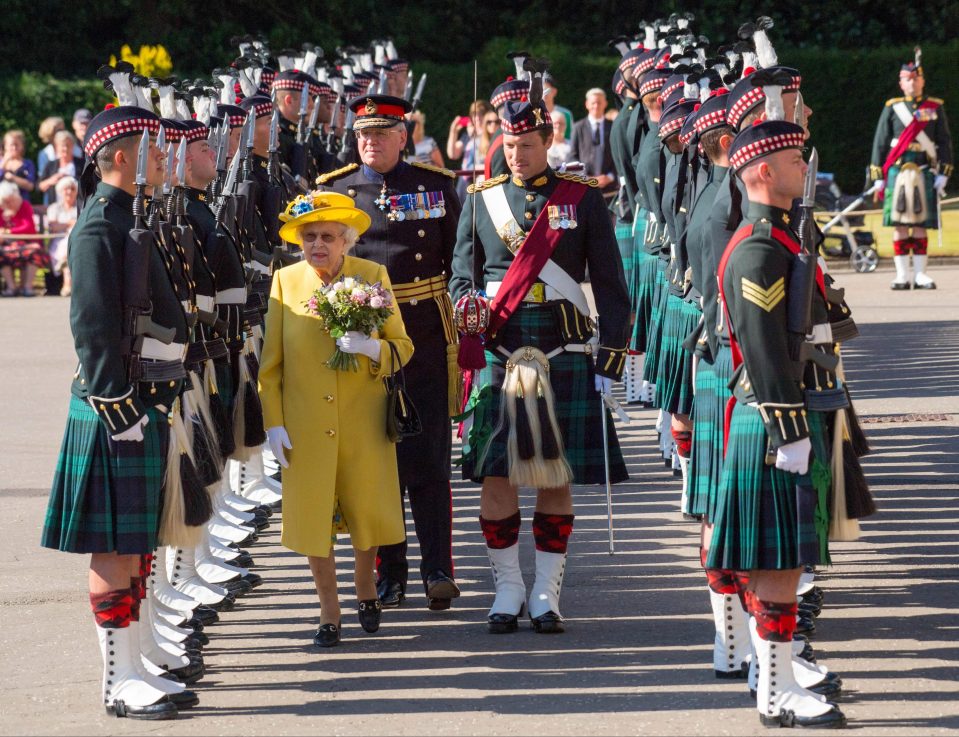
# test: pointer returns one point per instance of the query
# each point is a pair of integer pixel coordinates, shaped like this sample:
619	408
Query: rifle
802	280
137	306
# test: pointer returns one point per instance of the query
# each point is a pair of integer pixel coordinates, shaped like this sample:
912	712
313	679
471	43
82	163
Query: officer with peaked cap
414	211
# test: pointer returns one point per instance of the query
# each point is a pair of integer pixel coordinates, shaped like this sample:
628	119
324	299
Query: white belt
187	307
820	334
153	348
492	287
232	296
205	303
260	268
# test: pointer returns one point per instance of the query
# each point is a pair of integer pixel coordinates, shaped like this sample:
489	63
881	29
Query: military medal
552	213
382	201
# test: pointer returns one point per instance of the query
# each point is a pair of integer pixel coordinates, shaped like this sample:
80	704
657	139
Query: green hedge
845	89
26	99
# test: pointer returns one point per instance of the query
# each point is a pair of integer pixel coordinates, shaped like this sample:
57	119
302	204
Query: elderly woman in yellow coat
327	427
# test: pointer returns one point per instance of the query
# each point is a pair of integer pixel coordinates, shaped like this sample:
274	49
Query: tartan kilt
674	380
767	518
624	239
106	496
654	333
642	289
577	405
709	417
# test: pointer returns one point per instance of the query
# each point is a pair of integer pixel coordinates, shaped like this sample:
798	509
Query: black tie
595	134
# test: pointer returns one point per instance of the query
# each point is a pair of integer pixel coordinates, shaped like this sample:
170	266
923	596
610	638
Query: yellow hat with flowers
321	207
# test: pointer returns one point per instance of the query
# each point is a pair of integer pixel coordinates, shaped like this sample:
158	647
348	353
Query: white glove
878	185
277	439
355	342
794	457
132	434
940	184
604	385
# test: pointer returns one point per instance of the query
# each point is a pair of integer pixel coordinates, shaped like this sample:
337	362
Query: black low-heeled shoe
369	612
327	635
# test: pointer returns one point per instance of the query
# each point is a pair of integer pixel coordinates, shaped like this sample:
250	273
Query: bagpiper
911	164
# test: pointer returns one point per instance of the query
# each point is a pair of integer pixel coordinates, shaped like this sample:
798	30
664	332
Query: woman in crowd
427	150
61	217
16	218
558	153
63	164
469	140
15	166
48	129
327	427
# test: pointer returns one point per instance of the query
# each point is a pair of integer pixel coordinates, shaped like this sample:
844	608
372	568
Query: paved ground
636	657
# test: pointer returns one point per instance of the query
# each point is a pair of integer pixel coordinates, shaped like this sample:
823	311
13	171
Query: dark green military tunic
106	495
897	207
485	259
767	518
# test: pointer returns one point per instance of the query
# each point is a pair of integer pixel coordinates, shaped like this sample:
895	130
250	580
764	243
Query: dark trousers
431	505
424	460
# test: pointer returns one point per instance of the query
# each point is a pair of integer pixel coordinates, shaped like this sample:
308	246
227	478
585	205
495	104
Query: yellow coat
336	420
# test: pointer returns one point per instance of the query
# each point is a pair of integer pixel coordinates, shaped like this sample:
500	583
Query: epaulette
330	175
473	188
591	181
937	100
893	100
435	169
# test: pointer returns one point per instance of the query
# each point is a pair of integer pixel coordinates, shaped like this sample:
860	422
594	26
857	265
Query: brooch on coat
562	216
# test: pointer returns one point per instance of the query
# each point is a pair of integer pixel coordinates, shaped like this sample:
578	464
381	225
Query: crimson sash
529	259
909	135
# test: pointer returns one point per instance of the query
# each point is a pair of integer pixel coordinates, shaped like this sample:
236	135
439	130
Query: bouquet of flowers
350	303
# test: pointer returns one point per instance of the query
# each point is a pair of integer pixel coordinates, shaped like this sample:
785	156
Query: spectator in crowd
490	126
550	92
590	143
468	140
16	167
427	150
16	218
63	165
81	119
558	153
61	217
48	129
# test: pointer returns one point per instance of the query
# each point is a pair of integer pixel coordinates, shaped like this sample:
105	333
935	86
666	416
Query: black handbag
402	419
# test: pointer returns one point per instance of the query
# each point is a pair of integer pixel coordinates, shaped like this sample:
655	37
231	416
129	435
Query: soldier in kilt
674	381
106	498
622	141
651	269
641	275
911	164
772	514
536	405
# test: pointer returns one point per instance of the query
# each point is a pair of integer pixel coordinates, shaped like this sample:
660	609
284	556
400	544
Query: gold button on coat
418	257
421	233
529	216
